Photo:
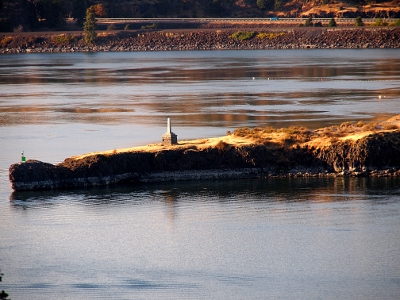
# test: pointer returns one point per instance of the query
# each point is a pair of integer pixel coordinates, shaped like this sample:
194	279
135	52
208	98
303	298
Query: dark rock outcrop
374	152
380	151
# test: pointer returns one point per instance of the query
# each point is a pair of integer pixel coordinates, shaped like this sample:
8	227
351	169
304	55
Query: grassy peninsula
350	149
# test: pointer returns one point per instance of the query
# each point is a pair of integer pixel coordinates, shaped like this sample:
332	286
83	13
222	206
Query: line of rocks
293	38
46	179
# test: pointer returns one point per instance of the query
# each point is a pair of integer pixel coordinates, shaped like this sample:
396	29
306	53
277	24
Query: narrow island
349	149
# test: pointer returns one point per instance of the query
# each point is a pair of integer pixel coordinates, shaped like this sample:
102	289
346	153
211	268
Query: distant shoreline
204	39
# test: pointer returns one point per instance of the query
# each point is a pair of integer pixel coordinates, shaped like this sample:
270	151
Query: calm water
258	239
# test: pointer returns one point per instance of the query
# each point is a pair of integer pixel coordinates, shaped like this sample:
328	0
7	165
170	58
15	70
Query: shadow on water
3	294
287	190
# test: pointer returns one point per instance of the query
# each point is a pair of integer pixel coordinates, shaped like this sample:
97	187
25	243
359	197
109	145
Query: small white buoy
254	78
380	97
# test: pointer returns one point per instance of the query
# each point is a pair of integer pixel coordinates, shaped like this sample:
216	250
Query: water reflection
200	89
225	191
244	239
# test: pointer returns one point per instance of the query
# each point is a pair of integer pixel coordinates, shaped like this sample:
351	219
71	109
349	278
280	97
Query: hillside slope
253	8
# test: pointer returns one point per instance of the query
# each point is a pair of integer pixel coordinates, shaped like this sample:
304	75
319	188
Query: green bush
62	39
261	4
269	35
243	35
152	26
308	22
380	22
332	23
359	22
397	23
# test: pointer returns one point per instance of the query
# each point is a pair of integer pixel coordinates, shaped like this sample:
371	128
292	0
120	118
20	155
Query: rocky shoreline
49	183
204	39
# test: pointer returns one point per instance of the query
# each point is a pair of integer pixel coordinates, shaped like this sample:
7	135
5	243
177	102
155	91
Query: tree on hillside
17	14
89	27
99	10
79	11
51	12
261	4
214	8
278	4
359	21
332	23
308	22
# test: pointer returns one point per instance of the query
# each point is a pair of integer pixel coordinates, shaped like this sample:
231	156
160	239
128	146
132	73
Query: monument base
169	138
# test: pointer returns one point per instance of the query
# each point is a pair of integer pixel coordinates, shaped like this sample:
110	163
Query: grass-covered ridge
297	135
293	136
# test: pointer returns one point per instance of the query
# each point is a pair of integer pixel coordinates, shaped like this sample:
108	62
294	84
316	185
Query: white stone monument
169	138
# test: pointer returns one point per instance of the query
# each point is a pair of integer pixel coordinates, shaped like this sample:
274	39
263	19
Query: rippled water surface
248	239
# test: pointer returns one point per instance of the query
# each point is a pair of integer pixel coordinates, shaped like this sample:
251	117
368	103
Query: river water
246	239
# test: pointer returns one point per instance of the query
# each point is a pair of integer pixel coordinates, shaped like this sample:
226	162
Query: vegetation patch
63	39
242	35
269	35
222	146
34	40
298	135
380	22
5	41
112	27
151	26
359	21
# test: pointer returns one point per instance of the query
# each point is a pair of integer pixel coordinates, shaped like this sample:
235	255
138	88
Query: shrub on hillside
5	41
222	146
359	22
397	23
62	39
242	35
151	26
269	35
380	22
112	27
332	23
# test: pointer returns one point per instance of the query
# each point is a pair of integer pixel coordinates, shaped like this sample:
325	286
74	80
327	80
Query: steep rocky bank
291	152
204	39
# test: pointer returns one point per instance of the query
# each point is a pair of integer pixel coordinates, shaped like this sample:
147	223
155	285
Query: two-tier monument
169	138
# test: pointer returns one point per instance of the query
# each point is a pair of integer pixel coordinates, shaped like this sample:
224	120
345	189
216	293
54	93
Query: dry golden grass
289	137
